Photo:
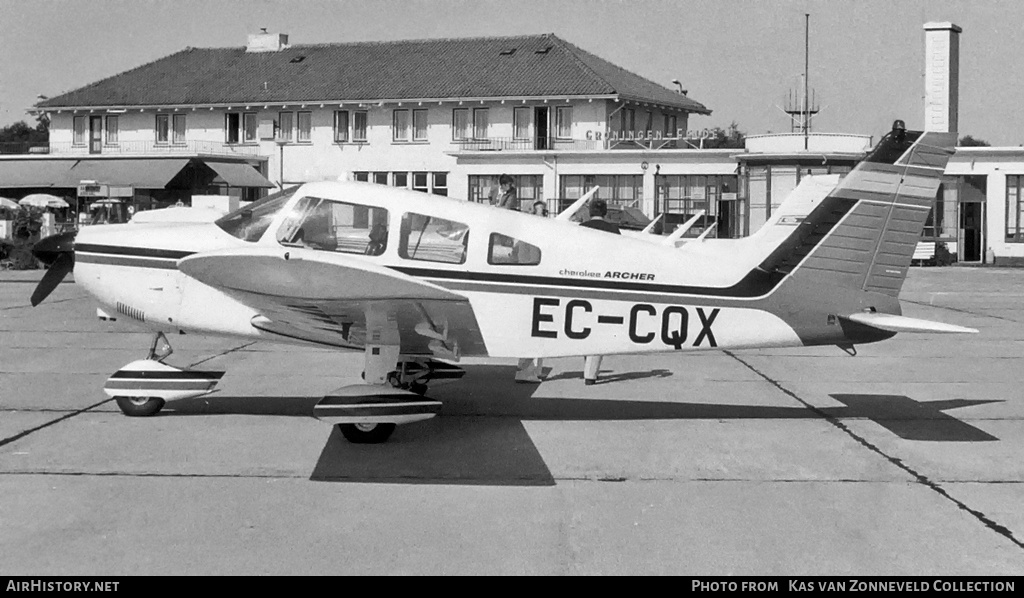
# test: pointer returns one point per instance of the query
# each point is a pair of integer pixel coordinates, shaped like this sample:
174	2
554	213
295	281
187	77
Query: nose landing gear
142	387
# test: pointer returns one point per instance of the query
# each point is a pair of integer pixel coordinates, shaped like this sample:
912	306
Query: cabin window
337	226
432	239
250	222
507	251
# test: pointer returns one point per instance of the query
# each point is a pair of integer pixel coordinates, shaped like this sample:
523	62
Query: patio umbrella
43	200
10	204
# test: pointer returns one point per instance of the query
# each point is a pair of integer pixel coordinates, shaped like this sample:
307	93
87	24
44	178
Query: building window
460	125
419	182
521	123
649	125
432	239
1014	208
400	125
381	178
249	127
285	126
440	184
305	127
480	121
361	176
529	188
680	197
563	122
419	125
79	124
232	126
112	130
359	126
400	179
340	126
628	121
616	189
671	121
178	130
163	128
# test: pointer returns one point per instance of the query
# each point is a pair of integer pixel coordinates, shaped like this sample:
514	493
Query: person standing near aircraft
506	196
529	370
598	211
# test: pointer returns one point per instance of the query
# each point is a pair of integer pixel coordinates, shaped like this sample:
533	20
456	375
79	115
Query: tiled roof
493	67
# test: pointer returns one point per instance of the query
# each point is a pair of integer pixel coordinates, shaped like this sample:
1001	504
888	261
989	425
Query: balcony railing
123	148
508	144
498	144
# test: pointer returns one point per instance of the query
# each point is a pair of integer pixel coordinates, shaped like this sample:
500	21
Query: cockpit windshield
249	223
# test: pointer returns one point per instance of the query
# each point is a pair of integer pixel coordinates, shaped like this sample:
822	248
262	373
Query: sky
740	58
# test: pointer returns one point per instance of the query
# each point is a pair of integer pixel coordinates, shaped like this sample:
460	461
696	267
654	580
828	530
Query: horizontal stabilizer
893	323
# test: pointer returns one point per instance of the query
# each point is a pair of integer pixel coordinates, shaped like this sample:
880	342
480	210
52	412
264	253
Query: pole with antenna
807	45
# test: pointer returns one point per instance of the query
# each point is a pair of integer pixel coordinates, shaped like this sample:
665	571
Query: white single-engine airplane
411	279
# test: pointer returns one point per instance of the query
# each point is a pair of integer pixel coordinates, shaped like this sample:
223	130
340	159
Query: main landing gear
369	413
142	387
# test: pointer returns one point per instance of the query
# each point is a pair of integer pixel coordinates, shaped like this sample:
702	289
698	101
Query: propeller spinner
58	253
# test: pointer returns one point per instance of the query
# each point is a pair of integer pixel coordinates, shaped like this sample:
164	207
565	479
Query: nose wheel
142	387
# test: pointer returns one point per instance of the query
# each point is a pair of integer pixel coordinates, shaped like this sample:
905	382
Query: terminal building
448	116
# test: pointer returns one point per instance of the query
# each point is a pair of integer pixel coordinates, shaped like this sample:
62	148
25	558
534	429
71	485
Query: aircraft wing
340	300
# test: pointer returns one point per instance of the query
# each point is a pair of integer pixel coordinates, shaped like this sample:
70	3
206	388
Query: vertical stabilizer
863	235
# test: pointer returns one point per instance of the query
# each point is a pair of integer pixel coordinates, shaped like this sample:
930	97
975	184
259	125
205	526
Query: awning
141	174
239	175
35	173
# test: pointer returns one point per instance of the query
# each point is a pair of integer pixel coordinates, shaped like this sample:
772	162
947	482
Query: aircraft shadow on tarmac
480	439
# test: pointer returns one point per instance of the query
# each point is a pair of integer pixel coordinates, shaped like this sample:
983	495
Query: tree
968	141
22	132
731	138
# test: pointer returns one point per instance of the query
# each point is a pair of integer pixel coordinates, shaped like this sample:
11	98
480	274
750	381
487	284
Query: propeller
58	253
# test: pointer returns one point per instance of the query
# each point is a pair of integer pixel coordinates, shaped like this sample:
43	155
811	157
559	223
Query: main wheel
366	433
140	406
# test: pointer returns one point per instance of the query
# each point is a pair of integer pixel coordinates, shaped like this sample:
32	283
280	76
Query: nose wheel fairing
142	386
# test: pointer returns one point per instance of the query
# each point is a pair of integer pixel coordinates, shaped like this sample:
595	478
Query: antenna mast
802	108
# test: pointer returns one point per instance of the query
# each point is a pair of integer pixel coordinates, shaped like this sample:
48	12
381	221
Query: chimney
267	42
941	77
